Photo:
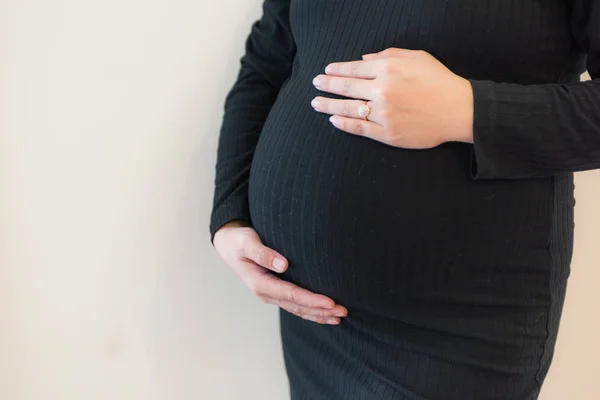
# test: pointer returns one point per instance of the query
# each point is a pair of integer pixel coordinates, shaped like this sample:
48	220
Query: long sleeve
529	131
265	66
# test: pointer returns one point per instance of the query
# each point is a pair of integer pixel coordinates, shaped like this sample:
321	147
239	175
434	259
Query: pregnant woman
397	177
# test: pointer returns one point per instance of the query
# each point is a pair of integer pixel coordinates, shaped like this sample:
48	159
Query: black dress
452	261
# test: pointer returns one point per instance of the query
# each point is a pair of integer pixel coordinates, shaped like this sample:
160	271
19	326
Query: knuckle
346	87
308	317
261	255
257	254
389	67
348	109
292	294
386	52
422	53
359	128
386	114
383	95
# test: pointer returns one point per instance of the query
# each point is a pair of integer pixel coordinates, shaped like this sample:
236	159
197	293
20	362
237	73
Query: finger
270	286
320	320
359	127
356	69
298	309
349	87
314	318
392	52
265	257
345	108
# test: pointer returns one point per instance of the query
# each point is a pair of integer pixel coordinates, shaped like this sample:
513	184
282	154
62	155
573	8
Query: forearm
264	67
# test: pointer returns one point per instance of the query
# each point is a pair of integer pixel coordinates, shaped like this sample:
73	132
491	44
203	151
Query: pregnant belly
369	224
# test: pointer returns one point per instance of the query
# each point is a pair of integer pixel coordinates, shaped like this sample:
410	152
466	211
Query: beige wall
109	288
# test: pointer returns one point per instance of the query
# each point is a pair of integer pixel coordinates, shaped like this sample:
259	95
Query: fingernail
328	69
316	81
333	119
340	314
315	103
332	321
278	264
368	55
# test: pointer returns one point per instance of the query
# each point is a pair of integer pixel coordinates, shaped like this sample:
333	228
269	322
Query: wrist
464	131
238	223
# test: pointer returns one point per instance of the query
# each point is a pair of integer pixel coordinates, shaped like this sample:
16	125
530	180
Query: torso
406	235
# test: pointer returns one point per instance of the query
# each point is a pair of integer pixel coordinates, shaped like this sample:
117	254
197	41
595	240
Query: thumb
266	257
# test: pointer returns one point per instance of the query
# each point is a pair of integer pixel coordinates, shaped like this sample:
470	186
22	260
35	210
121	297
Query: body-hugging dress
452	261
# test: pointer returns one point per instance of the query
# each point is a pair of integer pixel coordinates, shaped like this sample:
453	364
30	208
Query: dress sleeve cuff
227	212
501	113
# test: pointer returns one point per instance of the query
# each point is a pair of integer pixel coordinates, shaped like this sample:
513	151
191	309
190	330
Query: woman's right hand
241	248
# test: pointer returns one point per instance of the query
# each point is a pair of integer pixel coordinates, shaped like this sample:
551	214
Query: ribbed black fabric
453	261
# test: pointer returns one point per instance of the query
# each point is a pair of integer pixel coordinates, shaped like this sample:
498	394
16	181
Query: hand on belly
241	248
412	100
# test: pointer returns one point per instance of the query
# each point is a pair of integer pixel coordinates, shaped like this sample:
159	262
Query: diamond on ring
364	110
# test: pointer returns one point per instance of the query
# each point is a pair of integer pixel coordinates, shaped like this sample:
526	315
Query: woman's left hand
415	101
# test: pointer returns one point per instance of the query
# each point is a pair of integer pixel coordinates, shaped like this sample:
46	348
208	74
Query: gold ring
364	110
